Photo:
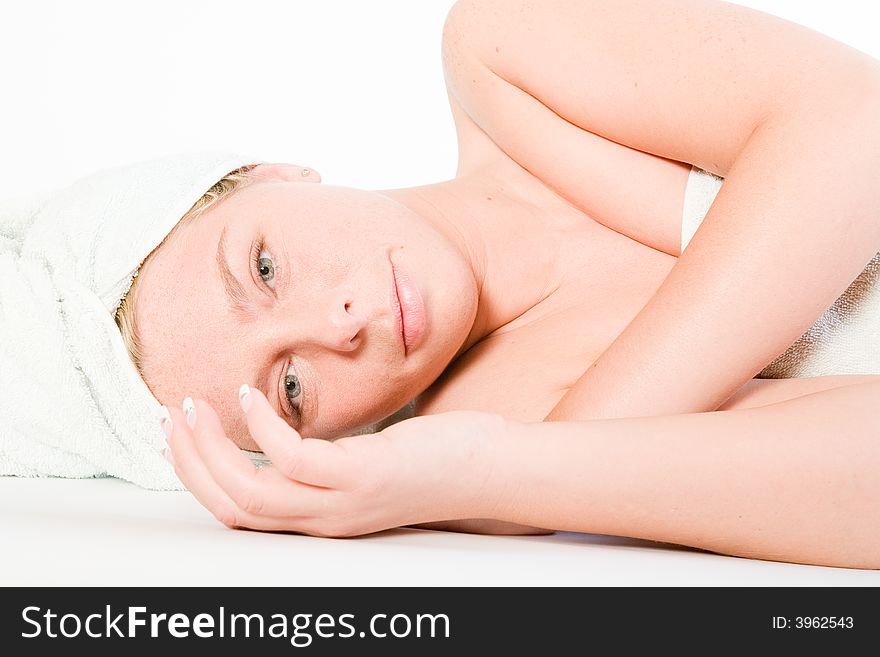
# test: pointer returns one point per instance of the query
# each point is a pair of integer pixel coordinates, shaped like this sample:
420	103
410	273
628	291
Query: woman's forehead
179	292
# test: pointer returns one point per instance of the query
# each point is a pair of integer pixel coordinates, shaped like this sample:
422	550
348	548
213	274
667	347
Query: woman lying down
560	360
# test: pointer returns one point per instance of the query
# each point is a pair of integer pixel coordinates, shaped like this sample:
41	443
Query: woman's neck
508	229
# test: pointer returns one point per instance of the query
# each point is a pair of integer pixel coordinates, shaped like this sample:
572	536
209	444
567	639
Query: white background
351	88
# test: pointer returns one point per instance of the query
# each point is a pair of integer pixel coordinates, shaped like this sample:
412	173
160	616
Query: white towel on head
72	403
844	340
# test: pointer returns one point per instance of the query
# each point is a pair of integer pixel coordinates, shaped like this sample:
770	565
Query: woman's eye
264	266
293	392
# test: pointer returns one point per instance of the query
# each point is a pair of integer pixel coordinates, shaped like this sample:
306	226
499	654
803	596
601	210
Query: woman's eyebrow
235	293
240	306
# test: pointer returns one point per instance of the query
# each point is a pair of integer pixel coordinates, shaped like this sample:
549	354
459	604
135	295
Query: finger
258	492
197	479
308	460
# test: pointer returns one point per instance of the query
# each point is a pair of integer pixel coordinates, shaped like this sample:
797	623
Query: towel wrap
72	403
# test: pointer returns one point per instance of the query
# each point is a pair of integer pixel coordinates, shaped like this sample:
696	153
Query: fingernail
168	455
167	427
190	410
244	397
166	423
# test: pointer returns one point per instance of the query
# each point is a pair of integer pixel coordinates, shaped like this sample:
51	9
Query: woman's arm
792	120
796	221
796	481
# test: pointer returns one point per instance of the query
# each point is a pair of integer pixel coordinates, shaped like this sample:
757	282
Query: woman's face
318	328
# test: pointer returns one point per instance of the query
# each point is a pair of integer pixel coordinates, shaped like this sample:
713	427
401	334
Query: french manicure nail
166	422
190	410
168	455
244	397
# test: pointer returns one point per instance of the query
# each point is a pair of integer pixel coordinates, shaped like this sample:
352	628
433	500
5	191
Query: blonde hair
125	316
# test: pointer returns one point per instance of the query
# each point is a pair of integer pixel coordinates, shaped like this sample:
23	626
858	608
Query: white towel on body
844	340
73	403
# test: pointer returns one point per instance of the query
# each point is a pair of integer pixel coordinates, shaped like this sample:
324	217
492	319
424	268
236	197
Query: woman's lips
412	316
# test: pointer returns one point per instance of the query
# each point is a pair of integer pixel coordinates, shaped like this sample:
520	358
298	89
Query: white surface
105	532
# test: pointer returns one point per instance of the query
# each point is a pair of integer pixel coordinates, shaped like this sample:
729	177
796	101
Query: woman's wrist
473	471
446	465
497	476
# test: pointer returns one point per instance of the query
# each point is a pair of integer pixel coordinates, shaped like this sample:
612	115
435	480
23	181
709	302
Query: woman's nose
336	323
344	328
335	320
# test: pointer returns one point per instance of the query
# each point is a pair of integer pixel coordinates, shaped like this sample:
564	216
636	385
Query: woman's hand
428	468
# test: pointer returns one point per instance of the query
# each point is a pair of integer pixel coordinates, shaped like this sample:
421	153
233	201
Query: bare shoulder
635	193
606	101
